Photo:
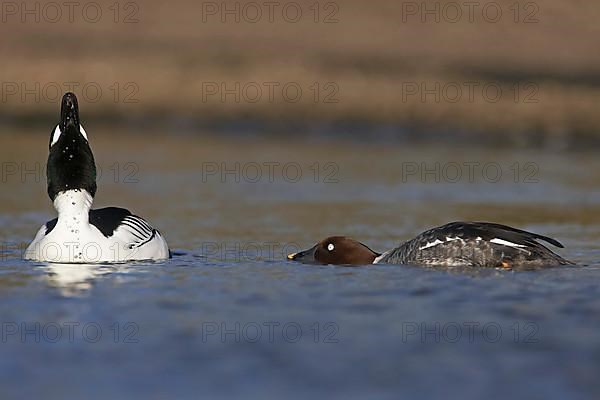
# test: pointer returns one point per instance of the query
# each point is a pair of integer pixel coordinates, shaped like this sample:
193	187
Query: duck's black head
337	250
71	163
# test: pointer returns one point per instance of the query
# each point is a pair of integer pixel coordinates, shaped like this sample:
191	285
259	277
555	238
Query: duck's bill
305	256
69	112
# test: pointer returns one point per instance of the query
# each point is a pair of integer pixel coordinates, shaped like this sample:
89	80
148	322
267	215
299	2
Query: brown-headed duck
457	244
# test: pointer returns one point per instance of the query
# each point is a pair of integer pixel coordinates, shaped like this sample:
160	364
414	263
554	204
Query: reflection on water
74	279
231	223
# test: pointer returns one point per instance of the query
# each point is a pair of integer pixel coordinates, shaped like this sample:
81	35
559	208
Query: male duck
79	234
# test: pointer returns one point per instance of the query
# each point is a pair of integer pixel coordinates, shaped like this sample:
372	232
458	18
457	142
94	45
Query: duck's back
476	244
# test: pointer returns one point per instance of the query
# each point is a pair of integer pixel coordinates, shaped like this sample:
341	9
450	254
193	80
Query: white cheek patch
506	243
55	135
83	132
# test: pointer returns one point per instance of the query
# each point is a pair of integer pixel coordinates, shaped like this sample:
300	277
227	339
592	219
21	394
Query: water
229	316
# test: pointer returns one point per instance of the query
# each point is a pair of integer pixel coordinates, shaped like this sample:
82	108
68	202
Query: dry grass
374	54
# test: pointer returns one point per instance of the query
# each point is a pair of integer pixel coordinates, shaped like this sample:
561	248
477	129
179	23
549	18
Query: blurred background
245	131
502	72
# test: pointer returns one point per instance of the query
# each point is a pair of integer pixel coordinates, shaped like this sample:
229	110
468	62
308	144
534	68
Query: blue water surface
229	317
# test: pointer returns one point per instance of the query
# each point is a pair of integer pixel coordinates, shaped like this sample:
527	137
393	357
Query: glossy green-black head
71	163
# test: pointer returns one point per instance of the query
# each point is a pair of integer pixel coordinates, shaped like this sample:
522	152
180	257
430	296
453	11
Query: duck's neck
74	203
379	257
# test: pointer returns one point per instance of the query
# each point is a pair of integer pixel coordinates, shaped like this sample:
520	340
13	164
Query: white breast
75	240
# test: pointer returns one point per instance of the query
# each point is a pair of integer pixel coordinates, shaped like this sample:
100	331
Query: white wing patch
438	241
506	243
431	244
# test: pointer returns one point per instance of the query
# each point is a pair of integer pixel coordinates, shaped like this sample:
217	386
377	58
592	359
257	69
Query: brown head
337	250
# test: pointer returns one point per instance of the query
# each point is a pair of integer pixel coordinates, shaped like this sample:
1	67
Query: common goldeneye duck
337	250
457	244
80	234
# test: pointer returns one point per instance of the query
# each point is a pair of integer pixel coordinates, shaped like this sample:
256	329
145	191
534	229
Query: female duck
457	244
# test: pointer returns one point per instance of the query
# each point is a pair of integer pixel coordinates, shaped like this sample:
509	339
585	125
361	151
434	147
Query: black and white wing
476	244
486	231
122	224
